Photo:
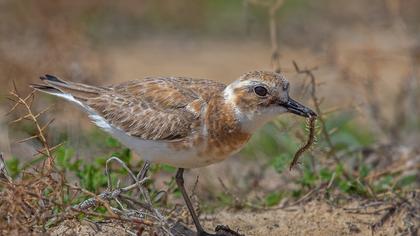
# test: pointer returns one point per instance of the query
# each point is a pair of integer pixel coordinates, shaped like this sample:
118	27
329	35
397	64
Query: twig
316	101
116	217
272	9
309	194
3	170
384	218
393	169
27	103
108	173
30	203
107	195
142	174
275	54
238	202
115	194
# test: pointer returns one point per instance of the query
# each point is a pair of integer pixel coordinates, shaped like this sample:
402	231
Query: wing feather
156	108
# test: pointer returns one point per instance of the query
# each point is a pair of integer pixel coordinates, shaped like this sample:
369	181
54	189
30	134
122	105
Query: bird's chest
204	152
224	145
224	136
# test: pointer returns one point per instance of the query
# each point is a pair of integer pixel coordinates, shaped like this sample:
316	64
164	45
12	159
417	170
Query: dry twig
3	170
272	8
320	117
35	201
26	103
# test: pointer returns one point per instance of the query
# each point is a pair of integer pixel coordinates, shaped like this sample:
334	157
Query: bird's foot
225	230
204	233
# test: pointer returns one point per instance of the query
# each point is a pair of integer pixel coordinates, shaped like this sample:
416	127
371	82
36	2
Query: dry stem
320	117
35	201
3	170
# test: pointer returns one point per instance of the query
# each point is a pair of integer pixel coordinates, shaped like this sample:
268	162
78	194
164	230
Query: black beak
298	109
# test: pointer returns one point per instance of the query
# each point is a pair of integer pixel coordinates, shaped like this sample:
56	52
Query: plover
183	122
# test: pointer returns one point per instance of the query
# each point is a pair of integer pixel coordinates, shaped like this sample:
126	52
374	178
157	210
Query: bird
180	121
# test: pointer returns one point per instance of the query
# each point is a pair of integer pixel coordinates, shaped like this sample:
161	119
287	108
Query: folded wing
152	109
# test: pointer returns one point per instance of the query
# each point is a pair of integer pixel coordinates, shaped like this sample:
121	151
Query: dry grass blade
27	139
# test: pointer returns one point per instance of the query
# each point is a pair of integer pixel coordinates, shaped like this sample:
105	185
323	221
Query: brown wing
155	108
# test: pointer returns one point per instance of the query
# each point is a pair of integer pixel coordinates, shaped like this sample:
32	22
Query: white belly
156	151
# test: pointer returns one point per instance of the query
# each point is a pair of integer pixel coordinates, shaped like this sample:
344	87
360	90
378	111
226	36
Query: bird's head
259	96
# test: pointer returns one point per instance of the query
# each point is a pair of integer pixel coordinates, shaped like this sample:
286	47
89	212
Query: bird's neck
249	120
224	130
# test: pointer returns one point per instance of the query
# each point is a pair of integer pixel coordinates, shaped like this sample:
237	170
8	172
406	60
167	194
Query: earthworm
308	143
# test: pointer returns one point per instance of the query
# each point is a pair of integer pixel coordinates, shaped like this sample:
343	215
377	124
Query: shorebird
183	122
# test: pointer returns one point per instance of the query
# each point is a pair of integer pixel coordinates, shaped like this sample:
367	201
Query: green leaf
406	181
325	174
124	155
273	199
363	171
112	142
384	183
281	162
168	168
345	186
226	199
308	178
63	156
13	165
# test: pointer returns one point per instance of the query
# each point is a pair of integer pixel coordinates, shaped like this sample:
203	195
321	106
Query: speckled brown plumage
156	108
152	108
223	137
200	121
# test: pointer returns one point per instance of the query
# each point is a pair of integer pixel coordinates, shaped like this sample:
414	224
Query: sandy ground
312	218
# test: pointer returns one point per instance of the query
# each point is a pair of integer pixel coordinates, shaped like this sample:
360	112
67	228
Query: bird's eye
260	91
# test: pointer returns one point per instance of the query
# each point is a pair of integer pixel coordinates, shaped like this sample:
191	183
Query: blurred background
365	54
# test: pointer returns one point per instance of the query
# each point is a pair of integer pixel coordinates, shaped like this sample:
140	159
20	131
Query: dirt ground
311	218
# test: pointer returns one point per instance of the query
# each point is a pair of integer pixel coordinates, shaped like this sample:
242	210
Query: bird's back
154	108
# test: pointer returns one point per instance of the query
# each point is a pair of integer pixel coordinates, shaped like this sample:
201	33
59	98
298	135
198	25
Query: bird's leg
180	182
